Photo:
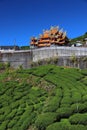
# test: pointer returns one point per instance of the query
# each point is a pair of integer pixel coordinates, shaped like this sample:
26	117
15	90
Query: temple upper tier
51	37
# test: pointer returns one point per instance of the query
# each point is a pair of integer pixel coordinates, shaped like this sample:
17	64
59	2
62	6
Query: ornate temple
51	37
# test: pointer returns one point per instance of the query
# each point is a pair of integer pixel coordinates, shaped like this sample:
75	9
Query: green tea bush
79	107
2	111
76	97
18	96
12	123
52	105
12	114
63	112
38	107
3	126
58	92
66	100
23	105
14	105
7	110
78	119
78	127
28	121
61	126
20	111
84	72
45	119
58	126
2	118
52	79
84	98
42	70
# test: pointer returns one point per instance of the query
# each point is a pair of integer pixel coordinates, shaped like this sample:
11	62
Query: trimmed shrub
66	100
44	120
84	72
3	126
12	114
52	105
14	104
79	107
78	119
78	127
84	98
58	92
20	112
2	118
58	126
76	97
27	121
63	112
12	123
61	126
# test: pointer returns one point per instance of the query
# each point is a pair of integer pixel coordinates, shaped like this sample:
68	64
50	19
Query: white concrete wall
42	53
24	58
16	58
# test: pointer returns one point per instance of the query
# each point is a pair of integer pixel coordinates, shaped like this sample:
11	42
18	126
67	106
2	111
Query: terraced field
43	98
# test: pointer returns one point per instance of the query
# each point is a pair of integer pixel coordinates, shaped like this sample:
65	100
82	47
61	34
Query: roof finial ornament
51	27
57	27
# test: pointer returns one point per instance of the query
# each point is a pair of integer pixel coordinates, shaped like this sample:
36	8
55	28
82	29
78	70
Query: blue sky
22	19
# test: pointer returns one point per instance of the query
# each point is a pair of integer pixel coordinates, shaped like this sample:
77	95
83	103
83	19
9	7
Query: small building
9	47
85	41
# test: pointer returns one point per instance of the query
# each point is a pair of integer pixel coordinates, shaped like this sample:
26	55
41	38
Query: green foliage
80	38
78	119
44	120
47	97
73	58
78	107
63	112
25	47
2	66
52	105
58	126
61	126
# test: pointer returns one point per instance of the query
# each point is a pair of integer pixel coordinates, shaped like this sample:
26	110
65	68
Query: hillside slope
80	38
43	98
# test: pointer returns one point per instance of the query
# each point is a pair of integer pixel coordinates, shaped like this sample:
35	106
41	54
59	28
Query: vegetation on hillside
43	98
80	38
25	47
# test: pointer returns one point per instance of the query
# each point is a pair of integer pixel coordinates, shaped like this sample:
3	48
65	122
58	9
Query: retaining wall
16	58
24	58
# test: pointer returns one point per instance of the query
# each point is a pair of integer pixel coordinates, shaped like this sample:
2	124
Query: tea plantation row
43	98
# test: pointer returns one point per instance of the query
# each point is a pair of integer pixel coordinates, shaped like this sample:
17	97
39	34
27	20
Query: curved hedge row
78	119
61	126
44	120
